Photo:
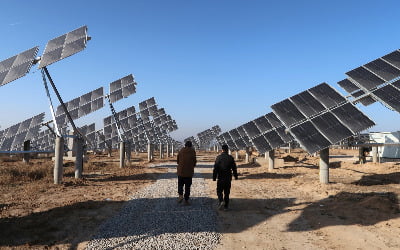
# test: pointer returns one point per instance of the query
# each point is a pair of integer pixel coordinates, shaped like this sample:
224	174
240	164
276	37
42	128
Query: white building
386	137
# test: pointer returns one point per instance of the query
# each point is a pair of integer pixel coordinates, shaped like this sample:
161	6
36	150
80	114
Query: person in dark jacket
223	167
186	160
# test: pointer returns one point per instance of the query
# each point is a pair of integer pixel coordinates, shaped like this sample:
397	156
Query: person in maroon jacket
186	160
223	167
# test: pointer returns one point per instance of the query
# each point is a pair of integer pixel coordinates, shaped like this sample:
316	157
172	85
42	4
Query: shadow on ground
63	225
268	176
349	209
378	179
72	224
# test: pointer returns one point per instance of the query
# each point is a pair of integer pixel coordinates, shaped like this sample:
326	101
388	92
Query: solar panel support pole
149	152
58	159
271	159
116	119
78	157
167	149
122	154
236	155
61	101
57	133
161	151
172	149
324	166
374	154
27	147
128	150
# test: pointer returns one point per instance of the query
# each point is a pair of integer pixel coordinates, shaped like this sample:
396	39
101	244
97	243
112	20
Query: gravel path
153	219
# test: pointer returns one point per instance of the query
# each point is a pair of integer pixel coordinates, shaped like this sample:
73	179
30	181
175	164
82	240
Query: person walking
186	160
223	167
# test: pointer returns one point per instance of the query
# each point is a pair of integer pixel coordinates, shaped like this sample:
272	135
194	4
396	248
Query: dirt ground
285	208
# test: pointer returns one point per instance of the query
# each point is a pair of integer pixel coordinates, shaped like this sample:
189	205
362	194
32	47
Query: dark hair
188	144
225	147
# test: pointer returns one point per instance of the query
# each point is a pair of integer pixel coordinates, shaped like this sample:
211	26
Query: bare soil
285	208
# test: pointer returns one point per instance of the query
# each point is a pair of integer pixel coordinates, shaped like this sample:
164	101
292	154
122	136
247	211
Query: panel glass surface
307	104
393	58
365	78
383	69
17	66
261	144
251	129
262	124
273	120
389	96
347	85
64	46
353	118
234	134
309	137
286	137
274	139
331	127
327	95
287	112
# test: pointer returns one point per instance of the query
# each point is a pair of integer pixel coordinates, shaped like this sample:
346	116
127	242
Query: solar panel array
122	88
89	131
320	117
17	66
377	80
264	133
64	46
14	137
44	140
149	124
208	136
80	106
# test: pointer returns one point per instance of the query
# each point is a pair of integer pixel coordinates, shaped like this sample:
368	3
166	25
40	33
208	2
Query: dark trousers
187	182
223	190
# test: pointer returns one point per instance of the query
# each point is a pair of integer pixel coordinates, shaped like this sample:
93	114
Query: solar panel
262	124
365	78
12	130
354	119
309	137
383	69
327	95
396	84
6	145
64	46
274	139
331	127
286	137
234	134
251	129
231	145
153	110
307	104
347	85
240	144
273	120
393	58
17	66
81	106
390	96
122	88
287	112
261	144
151	102
368	100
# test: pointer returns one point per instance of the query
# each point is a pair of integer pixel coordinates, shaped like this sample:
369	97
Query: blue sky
206	62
